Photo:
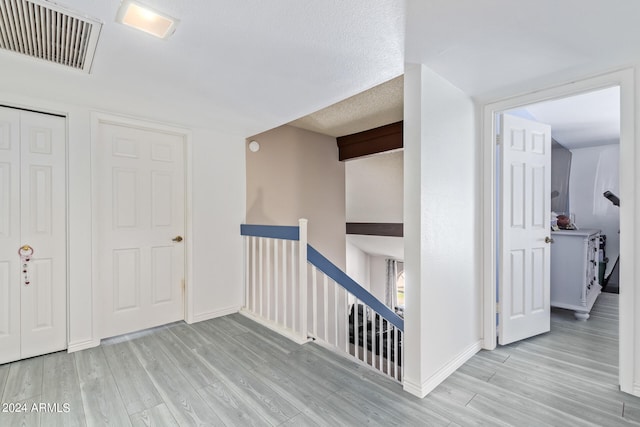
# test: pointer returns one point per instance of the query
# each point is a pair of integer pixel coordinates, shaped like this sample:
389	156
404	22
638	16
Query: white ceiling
245	66
248	66
580	121
487	48
392	247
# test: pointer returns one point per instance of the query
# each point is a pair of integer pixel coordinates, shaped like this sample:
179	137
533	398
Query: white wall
374	188
593	171
218	210
379	277
367	270
358	265
441	170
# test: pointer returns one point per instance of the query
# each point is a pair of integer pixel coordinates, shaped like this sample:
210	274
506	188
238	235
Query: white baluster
380	342
395	352
314	300
276	281
302	272
253	273
347	325
268	262
247	271
337	320
295	292
285	303
356	328
367	341
326	307
260	275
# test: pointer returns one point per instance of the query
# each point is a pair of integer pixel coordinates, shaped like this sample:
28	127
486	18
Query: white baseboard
275	327
427	386
213	314
82	345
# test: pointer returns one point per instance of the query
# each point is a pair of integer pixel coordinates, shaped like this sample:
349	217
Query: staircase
293	289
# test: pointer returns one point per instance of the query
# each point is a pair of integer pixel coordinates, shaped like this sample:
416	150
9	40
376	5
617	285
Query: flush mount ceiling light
144	18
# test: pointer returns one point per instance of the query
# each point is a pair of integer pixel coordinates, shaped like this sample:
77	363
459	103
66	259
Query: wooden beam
373	141
376	228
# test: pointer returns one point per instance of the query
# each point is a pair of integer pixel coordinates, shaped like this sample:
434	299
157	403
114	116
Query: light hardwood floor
231	371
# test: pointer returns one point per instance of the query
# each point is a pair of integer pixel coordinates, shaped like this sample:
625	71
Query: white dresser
574	270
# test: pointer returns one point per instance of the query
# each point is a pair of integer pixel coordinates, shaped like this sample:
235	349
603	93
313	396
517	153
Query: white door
32	212
140	222
525	194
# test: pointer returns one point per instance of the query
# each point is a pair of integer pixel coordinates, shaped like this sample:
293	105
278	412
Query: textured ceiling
248	66
244	66
251	65
579	121
378	106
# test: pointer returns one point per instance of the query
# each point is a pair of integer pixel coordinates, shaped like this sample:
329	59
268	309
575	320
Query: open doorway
623	79
579	234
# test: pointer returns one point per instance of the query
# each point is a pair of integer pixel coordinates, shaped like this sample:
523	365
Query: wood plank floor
231	371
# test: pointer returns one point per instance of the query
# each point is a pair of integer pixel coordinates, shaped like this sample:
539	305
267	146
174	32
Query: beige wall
296	174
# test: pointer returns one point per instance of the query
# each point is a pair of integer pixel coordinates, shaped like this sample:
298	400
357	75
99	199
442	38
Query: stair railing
275	289
295	290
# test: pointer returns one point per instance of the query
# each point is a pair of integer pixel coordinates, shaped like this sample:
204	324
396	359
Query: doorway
576	163
624	79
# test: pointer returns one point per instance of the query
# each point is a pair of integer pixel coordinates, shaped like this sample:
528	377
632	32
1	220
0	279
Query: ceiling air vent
49	32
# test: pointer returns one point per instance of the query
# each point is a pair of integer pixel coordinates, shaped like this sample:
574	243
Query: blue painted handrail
271	231
330	269
326	266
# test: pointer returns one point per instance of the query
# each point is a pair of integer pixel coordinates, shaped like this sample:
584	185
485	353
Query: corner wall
442	286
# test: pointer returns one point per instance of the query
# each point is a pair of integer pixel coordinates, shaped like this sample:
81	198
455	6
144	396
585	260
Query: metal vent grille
48	32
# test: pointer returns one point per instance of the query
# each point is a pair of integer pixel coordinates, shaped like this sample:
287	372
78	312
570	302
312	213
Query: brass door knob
177	239
548	240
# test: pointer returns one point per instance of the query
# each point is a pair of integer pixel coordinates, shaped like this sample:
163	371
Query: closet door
33	213
9	235
43	227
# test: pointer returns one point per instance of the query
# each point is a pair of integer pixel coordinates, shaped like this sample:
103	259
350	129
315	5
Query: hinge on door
182	285
498	139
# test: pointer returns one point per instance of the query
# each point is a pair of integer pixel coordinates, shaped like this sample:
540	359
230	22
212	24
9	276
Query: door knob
25	251
548	240
177	239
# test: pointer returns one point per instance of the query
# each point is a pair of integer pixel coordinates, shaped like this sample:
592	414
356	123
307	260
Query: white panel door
141	203
43	225
525	216
32	212
9	235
